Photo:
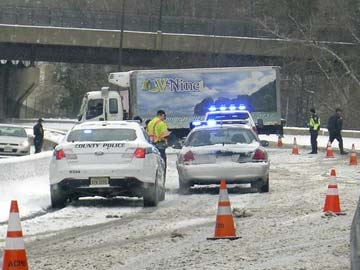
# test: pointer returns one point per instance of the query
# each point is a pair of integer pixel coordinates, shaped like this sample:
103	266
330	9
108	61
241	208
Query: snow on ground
290	231
32	171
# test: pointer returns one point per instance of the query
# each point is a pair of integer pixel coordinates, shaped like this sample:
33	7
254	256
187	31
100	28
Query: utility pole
213	33
121	33
160	16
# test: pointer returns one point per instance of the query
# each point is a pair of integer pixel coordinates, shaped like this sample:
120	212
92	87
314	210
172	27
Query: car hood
12	140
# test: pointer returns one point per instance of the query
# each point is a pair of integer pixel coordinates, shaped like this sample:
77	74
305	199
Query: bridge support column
16	83
4	88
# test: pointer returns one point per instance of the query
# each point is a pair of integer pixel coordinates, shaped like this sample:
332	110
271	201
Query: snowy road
284	229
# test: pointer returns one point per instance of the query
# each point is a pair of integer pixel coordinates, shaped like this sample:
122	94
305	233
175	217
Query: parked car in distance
108	159
14	141
223	151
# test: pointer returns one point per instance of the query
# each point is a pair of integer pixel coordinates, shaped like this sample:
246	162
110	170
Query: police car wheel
162	194
184	187
151	196
261	186
58	198
162	190
265	186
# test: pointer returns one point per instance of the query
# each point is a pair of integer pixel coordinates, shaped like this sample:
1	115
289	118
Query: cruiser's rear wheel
151	196
58	198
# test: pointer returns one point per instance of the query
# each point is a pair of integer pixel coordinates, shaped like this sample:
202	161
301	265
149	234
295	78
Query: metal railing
154	20
134	21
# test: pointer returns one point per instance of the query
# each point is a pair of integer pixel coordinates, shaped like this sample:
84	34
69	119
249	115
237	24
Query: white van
101	105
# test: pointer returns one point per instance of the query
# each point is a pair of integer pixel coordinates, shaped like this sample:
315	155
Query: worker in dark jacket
334	127
38	135
314	125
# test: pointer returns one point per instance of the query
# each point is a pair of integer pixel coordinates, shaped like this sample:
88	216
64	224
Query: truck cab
101	105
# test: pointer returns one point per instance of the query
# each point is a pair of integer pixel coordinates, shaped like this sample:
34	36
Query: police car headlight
25	144
211	123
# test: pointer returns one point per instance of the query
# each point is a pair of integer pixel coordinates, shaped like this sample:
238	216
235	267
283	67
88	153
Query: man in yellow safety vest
314	125
158	132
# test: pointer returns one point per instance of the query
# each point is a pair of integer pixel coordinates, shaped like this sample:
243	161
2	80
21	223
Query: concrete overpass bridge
151	49
155	49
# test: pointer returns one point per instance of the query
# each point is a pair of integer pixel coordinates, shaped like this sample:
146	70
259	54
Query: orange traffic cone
353	158
225	228
279	143
329	151
332	172
295	148
14	257
332	201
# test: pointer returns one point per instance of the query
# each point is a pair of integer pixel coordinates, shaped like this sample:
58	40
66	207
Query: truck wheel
184	187
151	196
58	198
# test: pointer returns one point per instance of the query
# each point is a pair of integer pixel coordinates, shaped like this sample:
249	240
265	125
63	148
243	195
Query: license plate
99	181
223	158
7	149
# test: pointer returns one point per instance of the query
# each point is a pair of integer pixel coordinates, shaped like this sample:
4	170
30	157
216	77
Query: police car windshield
220	135
102	135
13	131
228	116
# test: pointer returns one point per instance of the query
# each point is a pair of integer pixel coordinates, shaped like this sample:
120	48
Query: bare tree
308	23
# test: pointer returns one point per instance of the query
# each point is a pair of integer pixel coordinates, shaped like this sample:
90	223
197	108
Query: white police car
227	115
108	159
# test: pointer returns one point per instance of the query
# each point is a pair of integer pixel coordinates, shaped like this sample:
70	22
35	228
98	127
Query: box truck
187	94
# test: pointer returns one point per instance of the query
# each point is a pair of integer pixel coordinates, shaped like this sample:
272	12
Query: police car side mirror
178	145
264	143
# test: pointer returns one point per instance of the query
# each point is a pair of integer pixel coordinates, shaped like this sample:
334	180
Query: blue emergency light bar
212	109
232	107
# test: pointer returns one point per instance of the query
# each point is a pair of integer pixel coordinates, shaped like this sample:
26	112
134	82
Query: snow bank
24	167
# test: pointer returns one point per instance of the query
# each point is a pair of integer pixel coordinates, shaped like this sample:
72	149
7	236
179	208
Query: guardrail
287	130
323	132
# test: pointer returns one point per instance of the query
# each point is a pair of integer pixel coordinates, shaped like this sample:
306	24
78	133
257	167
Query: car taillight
140	153
259	155
59	154
255	129
189	156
